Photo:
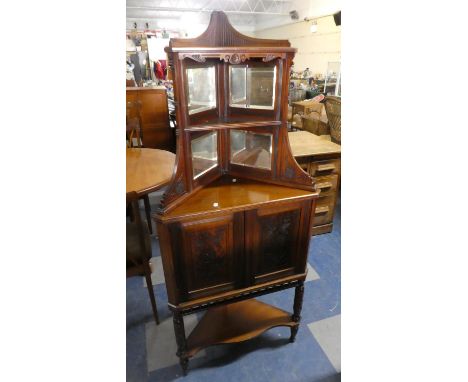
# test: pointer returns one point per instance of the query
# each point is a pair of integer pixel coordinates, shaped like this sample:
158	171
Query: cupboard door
277	241
210	252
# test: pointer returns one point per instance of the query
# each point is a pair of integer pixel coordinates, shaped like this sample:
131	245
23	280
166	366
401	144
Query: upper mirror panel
204	153
252	87
201	89
251	149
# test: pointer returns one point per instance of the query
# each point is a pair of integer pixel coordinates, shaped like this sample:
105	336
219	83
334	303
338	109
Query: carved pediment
220	32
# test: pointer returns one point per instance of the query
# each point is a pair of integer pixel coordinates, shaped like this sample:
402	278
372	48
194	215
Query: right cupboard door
277	241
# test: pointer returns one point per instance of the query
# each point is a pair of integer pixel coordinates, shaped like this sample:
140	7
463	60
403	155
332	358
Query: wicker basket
333	109
296	95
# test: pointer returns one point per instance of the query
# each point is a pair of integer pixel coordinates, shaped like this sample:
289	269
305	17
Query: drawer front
324	210
326	167
208	253
327	184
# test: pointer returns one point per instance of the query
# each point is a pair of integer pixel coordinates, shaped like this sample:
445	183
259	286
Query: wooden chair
333	110
133	122
134	131
139	249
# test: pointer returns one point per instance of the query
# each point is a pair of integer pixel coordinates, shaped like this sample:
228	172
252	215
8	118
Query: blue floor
315	356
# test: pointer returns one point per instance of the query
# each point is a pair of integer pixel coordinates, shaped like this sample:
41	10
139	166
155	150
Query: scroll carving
195	57
270	57
176	189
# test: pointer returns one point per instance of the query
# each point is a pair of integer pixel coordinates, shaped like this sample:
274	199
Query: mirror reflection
252	87
204	153
201	85
251	149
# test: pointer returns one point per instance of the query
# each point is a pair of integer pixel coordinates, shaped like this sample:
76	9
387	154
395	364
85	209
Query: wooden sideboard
154	117
321	159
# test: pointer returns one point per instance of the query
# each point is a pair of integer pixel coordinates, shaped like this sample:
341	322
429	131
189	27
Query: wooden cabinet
322	160
153	114
235	221
228	251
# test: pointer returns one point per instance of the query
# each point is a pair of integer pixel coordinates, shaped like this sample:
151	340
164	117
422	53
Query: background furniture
310	115
133	124
333	109
147	171
235	221
154	117
314	124
306	107
322	160
138	249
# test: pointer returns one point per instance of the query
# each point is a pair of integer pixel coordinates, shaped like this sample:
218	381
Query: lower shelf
236	322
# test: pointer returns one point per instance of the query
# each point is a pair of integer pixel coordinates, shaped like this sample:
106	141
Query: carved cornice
231	57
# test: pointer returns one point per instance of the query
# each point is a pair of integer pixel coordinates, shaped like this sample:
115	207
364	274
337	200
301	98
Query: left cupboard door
210	255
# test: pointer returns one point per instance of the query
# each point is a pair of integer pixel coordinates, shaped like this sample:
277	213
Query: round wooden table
148	169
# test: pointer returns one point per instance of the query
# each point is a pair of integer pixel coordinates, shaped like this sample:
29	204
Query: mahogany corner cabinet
236	219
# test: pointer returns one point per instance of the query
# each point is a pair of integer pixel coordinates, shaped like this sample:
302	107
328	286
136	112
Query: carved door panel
277	241
210	253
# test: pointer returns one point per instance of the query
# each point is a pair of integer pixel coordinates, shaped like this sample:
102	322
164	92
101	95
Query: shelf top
232	194
305	144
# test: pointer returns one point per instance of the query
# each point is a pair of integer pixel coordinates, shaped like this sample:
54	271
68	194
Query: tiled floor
315	356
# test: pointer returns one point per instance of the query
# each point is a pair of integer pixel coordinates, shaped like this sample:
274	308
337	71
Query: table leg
148	213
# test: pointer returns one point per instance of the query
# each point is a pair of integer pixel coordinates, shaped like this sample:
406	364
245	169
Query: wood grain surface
148	169
235	323
234	194
304	143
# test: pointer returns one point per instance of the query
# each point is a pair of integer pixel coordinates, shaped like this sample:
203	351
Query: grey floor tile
161	345
311	273
157	277
327	332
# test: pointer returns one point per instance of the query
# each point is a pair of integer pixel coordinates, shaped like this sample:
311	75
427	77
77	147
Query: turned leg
296	317
181	341
148	212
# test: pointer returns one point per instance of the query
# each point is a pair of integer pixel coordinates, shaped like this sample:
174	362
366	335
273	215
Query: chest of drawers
322	160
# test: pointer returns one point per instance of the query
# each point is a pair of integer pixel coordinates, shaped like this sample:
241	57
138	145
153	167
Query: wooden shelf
232	125
227	194
236	322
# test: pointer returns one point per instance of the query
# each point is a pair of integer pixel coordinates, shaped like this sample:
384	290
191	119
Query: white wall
314	50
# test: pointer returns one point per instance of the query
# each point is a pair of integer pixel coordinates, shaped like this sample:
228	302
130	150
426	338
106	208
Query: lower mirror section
251	149
204	153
